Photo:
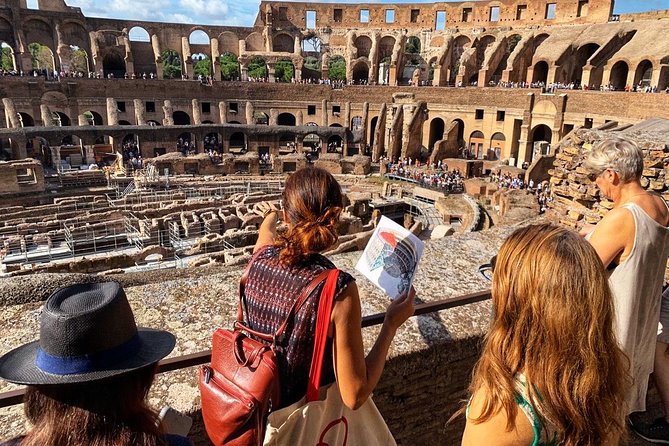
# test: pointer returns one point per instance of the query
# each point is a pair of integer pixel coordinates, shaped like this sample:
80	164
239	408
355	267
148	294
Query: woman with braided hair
283	264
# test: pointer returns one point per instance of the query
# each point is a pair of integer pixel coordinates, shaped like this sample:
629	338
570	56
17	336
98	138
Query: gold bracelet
267	212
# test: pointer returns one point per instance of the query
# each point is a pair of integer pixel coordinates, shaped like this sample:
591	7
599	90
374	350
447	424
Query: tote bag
327	422
321	418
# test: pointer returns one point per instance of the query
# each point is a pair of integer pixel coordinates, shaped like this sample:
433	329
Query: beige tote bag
321	418
327	422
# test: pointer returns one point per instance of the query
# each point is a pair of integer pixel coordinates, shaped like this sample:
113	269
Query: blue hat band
95	362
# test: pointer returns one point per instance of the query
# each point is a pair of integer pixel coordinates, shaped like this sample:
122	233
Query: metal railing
14	397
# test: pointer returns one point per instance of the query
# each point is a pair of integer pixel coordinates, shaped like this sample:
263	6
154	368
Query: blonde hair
618	154
553	322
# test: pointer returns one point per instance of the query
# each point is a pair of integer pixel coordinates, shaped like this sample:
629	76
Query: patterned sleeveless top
270	291
544	433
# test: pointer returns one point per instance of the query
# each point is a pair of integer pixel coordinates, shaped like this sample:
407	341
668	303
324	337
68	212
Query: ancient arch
257	68
229	67
39	31
497	145
255	42
335	144
113	64
386	45
663	80
482	45
372	130
124	122
138	34
363	45
580	59
42	57
311	69
476	144
644	73
260	118
412	58
7	33
360	73
284	70
171	64
198	37
286	119
460	125
356	123
459	45
26	120
201	65
283	43
212	141
619	72
181	118
238	141
540	138
153	123
61	119
93	118
540	72
228	42
511	43
437	128
337	68
7	58
312	141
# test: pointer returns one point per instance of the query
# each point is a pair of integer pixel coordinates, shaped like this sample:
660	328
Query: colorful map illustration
391	257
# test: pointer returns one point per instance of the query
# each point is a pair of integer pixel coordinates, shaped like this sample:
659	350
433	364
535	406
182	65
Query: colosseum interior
139	151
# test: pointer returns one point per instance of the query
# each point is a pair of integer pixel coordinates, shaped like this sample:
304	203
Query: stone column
249	113
12	116
112	112
271	73
197	112
273	117
140	112
167	111
365	116
299	118
83	120
373	74
347	115
215	59
223	112
243	72
187	61
47	117
324	113
157	55
96	61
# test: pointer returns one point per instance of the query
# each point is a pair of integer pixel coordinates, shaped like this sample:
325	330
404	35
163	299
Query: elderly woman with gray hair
632	241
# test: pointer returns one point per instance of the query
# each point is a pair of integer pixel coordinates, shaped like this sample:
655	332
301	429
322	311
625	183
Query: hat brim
18	366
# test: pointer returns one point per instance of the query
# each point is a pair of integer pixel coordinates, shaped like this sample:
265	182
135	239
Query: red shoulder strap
322	325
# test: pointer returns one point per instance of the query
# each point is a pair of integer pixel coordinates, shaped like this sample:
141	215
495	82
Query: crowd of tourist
186	146
132	157
436	176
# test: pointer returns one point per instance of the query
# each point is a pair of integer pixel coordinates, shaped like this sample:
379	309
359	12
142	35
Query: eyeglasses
593	176
487	269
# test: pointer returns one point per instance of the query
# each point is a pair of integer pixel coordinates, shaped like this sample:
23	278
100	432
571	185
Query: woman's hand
400	309
264	208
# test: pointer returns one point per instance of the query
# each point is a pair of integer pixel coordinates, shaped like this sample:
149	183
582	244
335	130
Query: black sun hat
87	333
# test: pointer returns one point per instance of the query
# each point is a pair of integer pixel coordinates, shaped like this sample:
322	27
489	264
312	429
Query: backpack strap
301	299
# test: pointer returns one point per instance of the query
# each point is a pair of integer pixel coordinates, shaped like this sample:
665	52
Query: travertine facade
481	43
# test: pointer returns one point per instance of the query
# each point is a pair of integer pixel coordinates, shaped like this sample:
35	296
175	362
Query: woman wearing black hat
89	374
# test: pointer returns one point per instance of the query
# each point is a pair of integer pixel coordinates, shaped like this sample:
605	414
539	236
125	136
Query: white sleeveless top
636	285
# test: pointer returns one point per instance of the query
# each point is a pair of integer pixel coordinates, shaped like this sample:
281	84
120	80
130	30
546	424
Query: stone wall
19	177
577	199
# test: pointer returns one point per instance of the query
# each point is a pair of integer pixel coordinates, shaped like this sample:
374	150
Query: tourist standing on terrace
632	241
286	263
89	373
551	372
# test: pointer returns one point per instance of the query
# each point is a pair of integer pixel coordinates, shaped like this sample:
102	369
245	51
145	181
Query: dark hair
312	202
109	412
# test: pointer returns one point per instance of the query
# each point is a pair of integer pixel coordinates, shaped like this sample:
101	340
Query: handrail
14	397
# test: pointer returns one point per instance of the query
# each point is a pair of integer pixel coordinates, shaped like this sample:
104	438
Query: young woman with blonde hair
551	372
